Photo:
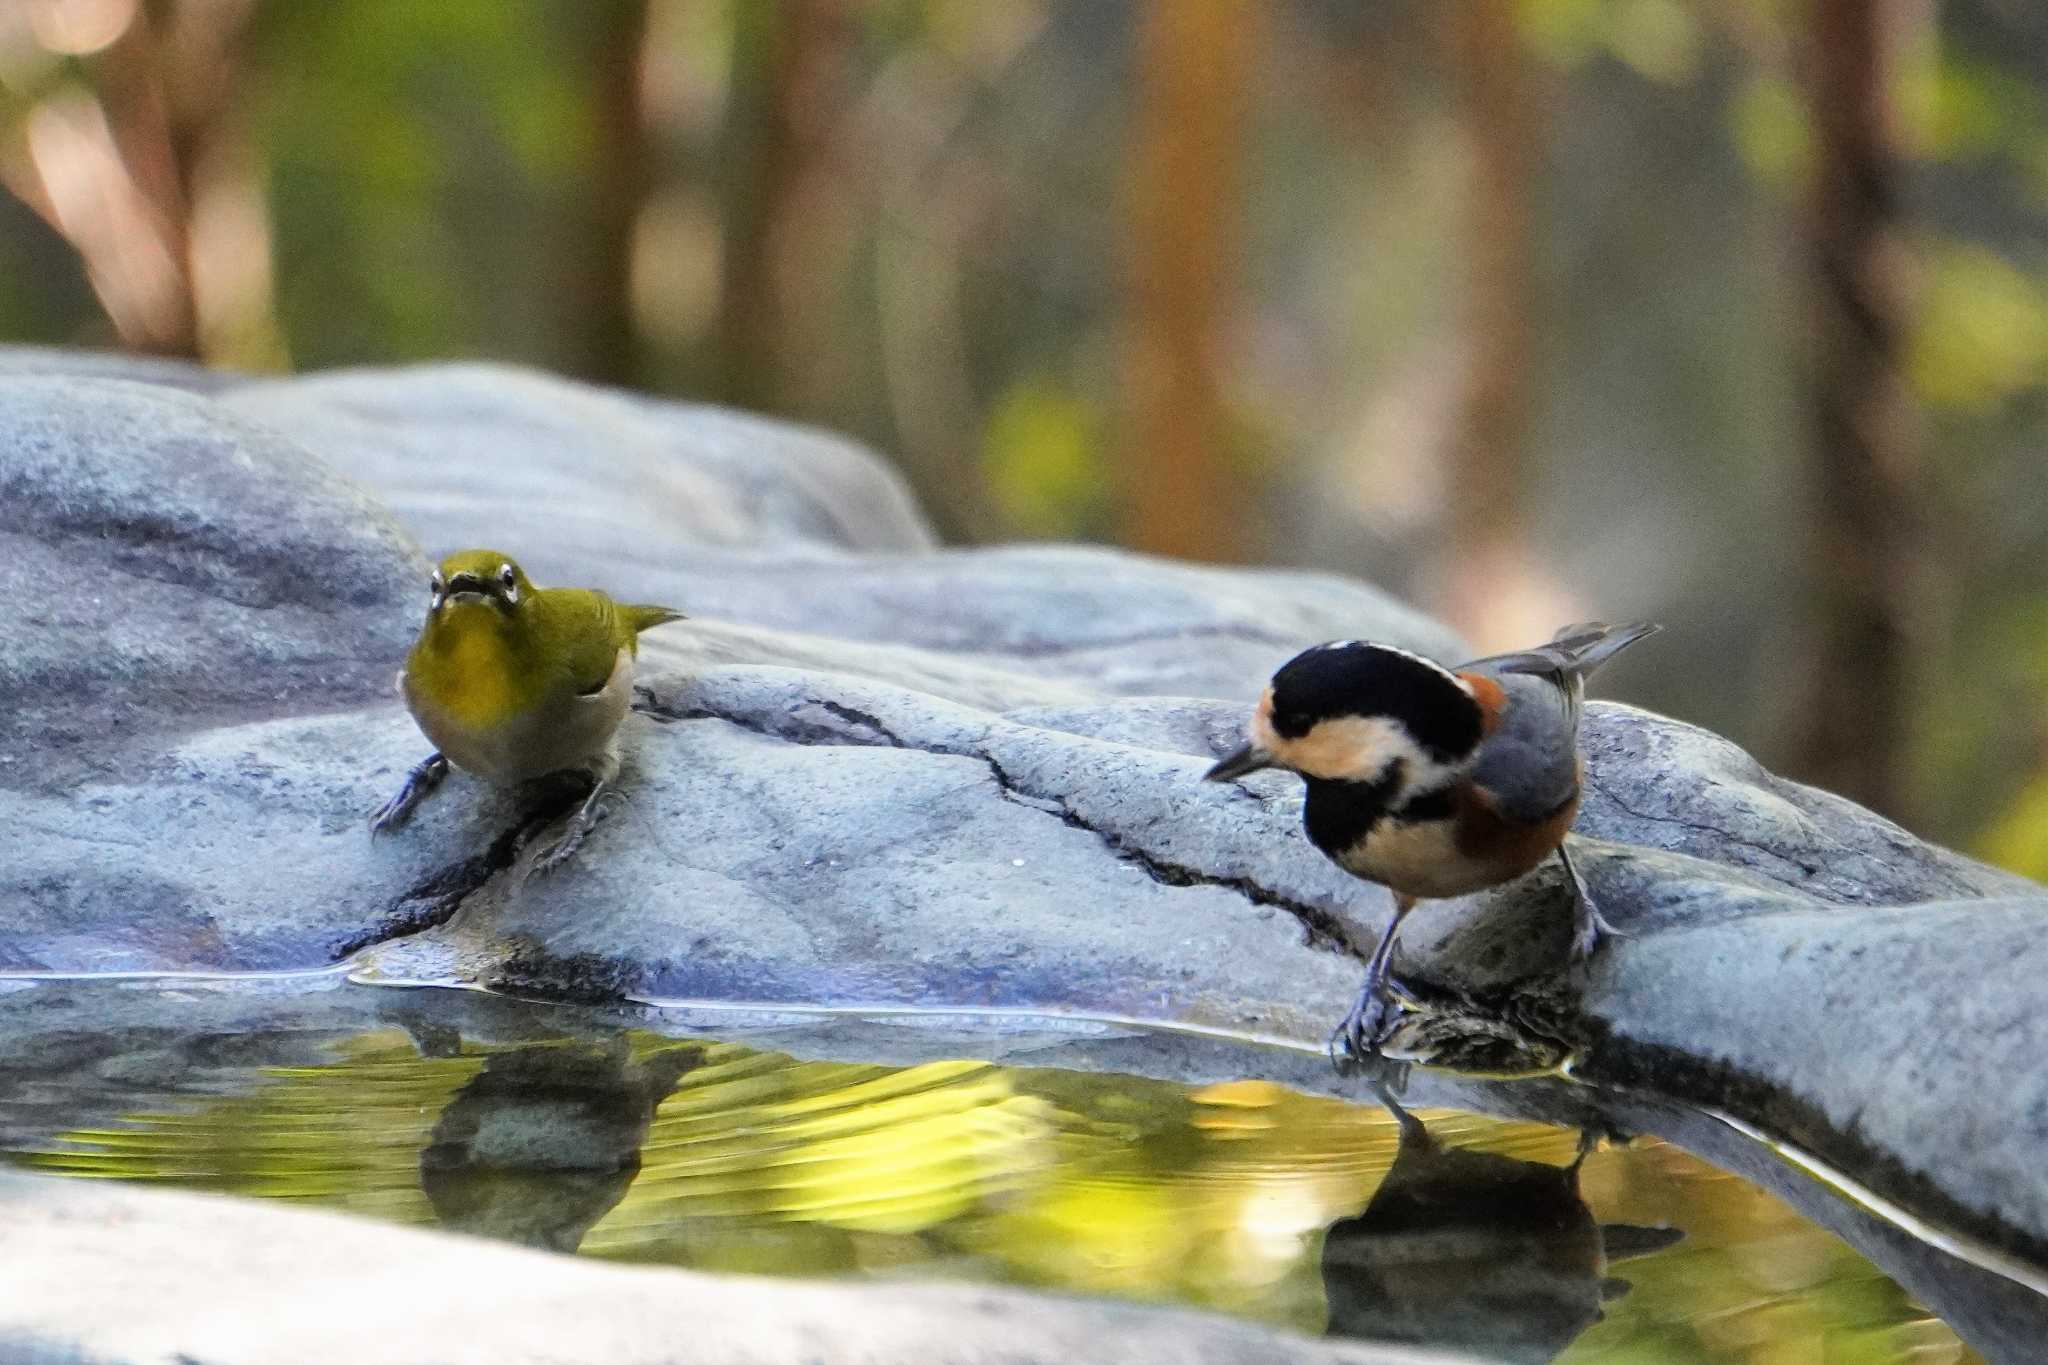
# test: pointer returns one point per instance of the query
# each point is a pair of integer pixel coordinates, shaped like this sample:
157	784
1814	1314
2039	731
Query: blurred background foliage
1729	312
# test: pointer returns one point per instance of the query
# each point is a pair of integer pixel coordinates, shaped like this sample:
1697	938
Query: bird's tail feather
1570	658
648	617
1575	652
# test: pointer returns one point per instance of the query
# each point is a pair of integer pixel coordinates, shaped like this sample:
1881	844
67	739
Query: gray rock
235	1283
59	362
239	579
164	563
596	483
822	840
704	645
890	777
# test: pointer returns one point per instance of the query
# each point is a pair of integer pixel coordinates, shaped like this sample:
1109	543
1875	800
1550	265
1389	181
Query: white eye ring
510	579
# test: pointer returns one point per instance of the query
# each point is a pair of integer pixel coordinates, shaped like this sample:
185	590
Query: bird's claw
1586	934
1589	929
587	818
1589	926
420	782
392	813
1356	1038
562	849
1368	1025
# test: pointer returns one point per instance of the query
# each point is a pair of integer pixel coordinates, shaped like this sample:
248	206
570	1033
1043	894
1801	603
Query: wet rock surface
876	774
235	1283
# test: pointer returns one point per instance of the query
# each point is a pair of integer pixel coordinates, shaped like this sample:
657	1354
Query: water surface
1304	1212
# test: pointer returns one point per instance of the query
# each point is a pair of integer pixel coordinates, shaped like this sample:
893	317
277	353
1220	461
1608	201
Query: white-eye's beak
476	588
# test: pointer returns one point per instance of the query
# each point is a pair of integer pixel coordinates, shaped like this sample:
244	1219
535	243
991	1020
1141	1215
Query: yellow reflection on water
1301	1211
347	1135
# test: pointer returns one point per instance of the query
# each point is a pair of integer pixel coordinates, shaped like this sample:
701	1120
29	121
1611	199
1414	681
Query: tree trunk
1194	65
606	334
781	53
1867	558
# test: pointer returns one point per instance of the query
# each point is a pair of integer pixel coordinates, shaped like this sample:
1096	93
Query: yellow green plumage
513	681
484	664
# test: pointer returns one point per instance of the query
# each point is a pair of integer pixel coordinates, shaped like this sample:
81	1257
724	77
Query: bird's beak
475	585
1249	759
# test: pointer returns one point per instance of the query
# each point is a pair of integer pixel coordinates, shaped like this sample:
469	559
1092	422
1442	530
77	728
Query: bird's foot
419	785
1597	1133
588	816
1589	929
1586	932
1589	926
1369	1024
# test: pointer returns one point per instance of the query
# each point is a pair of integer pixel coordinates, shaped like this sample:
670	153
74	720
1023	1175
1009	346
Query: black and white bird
1432	781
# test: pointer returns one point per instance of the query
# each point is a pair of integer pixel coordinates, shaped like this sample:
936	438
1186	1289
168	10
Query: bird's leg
1358	1037
1588	925
603	771
1414	1133
419	785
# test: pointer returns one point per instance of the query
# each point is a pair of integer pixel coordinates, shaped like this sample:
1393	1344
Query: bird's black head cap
1358	678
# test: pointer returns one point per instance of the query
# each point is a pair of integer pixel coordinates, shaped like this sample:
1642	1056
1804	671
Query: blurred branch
121	170
66	166
1195	60
1867	549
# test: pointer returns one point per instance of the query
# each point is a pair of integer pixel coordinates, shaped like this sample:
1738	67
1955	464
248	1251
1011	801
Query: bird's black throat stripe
1338	815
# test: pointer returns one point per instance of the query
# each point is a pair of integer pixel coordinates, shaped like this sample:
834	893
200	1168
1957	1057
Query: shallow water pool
1304	1212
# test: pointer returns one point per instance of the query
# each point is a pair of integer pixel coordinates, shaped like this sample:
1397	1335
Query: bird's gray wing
1530	760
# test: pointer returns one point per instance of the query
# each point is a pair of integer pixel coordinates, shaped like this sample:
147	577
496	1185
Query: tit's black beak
1249	759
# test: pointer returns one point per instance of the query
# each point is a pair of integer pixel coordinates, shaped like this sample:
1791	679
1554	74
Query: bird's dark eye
436	585
507	577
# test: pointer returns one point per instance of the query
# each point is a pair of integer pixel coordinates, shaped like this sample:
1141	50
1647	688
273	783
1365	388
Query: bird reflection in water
1474	1251
544	1140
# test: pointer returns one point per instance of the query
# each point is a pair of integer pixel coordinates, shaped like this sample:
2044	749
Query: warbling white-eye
514	682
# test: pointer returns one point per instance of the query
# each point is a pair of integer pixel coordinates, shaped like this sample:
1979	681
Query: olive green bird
514	682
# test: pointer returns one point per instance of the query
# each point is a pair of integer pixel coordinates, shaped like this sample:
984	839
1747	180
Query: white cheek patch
1359	749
